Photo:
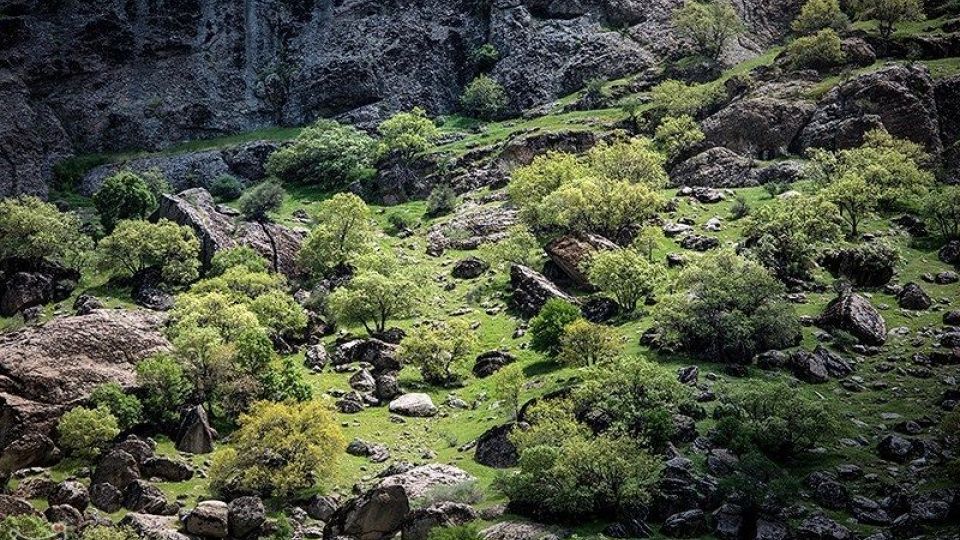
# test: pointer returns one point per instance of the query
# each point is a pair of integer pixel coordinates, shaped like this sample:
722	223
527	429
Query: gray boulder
210	519
195	434
914	298
571	252
855	314
760	127
246	517
413	404
25	283
531	290
717	167
117	468
494	448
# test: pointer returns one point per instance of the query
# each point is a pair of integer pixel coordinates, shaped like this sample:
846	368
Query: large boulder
47	370
899	98
495	449
571	252
153	527
914	298
217	230
531	290
717	167
26	283
117	468
210	519
854	314
760	127
491	362
195	434
413	404
246	517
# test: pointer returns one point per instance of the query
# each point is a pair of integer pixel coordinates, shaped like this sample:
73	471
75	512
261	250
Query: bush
466	492
126	408
226	188
25	526
237	257
106	532
124	195
817	15
647	240
327	155
676	98
165	388
547	327
442	201
625	274
889	12
508	384
342	234
786	234
587	344
941	208
708	25
822	50
409	133
36	229
739	209
775	419
85	432
484	98
485	57
726	308
635	161
470	531
439	350
306	435
135	246
676	135
261	200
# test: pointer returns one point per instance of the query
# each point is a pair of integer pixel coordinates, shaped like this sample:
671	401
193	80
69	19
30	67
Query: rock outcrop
571	252
531	290
717	167
25	283
760	127
854	314
46	370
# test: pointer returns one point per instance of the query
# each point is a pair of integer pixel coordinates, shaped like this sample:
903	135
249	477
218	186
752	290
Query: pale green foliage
817	15
546	329
262	200
484	98
677	134
634	161
941	209
598	204
25	526
104	532
439	349
84	432
507	387
326	155
786	235
587	344
854	199
377	293
625	274
137	245
530	184
726	308
344	231
126	408
165	387
520	246
306	435
124	195
889	12
31	228
409	133
822	50
647	240
677	98
240	256
708	24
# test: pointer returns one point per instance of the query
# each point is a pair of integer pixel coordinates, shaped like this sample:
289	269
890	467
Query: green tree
587	344
818	15
647	240
635	161
547	327
599	205
519	246
373	297
343	232
126	408
327	155
726	308
530	184
677	98
439	350
36	229
165	388
306	435
409	133
889	13
787	234
942	209
625	274
854	199
85	432
261	200
676	135
124	195
137	245
484	98
507	387
708	25
822	50
240	256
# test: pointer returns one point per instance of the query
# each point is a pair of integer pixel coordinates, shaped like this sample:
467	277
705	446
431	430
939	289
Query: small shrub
740	209
105	532
676	98
261	200
468	492
820	51
485	57
484	98
471	531
547	327
817	15
399	222
508	385
625	274
125	407
587	344
676	135
775	189
439	350
442	201
25	526
84	432
409	133
226	188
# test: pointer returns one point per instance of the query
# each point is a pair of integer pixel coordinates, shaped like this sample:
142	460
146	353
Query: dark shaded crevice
273	246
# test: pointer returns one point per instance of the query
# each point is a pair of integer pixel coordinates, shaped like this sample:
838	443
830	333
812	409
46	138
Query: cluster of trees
34	229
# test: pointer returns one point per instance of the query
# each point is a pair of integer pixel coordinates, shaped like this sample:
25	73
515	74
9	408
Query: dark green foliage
25	526
757	480
484	98
327	155
226	188
125	195
546	328
165	388
442	201
70	172
261	200
125	407
485	57
461	532
740	208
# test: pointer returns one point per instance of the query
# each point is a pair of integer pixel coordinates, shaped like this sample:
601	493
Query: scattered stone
490	362
914	298
531	290
469	268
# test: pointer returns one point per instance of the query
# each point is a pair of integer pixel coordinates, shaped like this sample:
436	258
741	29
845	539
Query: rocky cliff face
119	74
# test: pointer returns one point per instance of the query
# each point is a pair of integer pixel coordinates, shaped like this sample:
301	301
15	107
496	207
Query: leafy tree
226	188
775	419
647	240
942	208
126	408
676	135
374	296
240	256
137	245
165	388
519	246
708	24
262	200
626	274
85	432
327	155
818	15
853	198
727	308
409	133
207	361
286	383
507	387
530	184
36	229
786	234
547	327
677	98
587	344
485	57
279	313
599	205
442	200
279	450
632	107
822	50
635	161
484	98
124	195
439	349
889	13
343	232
